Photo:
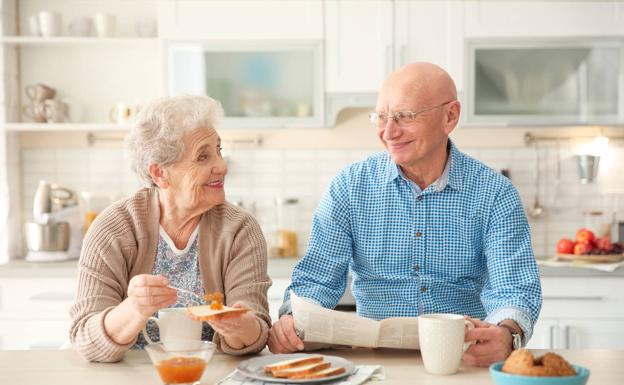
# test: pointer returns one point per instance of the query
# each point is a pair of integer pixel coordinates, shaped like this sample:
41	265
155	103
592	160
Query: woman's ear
159	175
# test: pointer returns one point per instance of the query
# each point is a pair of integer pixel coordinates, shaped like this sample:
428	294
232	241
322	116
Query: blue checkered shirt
461	245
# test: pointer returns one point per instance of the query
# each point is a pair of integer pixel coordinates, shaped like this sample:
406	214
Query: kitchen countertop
277	268
400	367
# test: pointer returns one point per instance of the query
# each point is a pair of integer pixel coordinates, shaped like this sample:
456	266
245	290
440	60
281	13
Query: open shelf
65	127
64	40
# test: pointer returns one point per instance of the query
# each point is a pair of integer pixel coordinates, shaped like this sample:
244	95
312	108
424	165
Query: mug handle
30	91
469	326
145	334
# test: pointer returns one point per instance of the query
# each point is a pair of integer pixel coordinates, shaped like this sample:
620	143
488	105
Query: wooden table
400	367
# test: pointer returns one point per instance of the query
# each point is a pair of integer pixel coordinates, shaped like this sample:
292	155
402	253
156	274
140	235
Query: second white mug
175	327
49	24
104	24
441	338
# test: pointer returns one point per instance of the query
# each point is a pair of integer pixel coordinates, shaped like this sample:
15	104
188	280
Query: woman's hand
239	331
149	293
146	295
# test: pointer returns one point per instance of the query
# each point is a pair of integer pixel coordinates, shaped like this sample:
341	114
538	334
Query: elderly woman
178	231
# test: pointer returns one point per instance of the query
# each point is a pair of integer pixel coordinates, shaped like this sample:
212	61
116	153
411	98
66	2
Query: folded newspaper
318	324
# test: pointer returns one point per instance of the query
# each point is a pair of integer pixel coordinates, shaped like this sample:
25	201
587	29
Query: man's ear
159	175
452	116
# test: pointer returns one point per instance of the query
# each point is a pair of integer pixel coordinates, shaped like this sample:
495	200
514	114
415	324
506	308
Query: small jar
285	244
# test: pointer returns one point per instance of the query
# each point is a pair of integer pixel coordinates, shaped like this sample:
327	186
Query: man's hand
492	343
282	336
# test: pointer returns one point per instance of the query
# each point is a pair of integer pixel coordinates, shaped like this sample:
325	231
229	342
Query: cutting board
606	258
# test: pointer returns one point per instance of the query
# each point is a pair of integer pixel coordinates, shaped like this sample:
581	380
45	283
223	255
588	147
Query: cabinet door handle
566	331
402	54
551	336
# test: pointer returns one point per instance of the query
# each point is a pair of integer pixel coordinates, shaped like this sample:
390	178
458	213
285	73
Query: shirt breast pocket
463	241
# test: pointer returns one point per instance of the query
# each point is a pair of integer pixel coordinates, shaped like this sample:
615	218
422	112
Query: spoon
201	299
537	210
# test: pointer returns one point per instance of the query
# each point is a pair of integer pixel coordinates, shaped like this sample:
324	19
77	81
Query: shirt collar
451	176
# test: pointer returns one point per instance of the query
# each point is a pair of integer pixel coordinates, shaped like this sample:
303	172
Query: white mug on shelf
441	338
33	26
122	114
104	24
175	327
50	23
80	26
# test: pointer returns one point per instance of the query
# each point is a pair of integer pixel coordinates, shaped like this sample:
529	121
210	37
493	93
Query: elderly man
423	228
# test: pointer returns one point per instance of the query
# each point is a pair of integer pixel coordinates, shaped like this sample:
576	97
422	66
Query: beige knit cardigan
122	242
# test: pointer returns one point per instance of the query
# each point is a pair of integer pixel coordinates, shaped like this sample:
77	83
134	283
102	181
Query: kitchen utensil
254	368
52	236
536	210
199	299
104	25
587	167
50	23
39	92
55	111
555	194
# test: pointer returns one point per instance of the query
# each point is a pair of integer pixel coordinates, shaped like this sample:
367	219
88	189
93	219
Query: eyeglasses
401	118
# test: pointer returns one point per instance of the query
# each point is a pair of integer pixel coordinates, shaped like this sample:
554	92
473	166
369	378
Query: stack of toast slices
308	367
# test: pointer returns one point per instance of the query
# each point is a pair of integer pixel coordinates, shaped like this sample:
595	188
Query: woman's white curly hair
157	135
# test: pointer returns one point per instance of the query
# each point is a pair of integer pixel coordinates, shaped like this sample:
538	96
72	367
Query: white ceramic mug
104	24
80	26
33	25
121	114
441	338
175	327
49	23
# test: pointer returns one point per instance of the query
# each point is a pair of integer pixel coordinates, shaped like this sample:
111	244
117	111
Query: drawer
582	297
51	297
26	334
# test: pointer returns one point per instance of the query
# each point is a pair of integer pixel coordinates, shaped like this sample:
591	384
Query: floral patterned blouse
181	268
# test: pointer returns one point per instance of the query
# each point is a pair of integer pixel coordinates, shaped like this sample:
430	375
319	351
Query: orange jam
216	300
181	370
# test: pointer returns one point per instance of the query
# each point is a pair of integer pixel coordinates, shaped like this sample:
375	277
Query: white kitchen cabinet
544	334
543	18
592	333
34	313
237	19
580	313
358	44
430	31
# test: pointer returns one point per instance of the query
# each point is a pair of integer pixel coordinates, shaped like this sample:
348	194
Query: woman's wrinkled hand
150	293
239	331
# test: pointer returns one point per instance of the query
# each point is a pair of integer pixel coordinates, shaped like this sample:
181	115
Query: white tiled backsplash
258	176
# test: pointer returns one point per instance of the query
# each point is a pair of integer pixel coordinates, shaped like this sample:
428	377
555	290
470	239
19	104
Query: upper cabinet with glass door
545	82
260	85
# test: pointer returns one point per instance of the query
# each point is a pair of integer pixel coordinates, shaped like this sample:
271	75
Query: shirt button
419	198
423	289
419	234
416	268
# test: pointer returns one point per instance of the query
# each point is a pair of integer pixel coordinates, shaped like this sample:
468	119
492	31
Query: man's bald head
426	83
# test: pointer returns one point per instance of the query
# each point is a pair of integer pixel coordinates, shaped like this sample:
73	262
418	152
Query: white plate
254	368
